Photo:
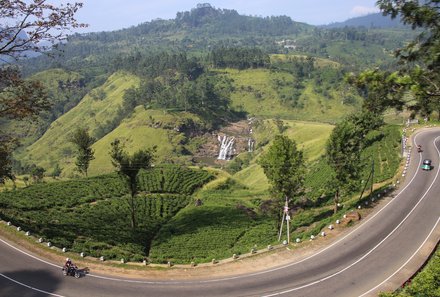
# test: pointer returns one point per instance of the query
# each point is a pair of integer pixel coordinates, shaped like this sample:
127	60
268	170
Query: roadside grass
425	283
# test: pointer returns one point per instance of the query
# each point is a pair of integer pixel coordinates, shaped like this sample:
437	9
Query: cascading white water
226	147
251	144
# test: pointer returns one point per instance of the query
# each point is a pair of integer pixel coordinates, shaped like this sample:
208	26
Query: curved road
371	257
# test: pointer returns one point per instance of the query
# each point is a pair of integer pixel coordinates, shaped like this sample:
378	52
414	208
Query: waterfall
251	145
226	147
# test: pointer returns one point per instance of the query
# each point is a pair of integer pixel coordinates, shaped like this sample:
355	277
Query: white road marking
29	287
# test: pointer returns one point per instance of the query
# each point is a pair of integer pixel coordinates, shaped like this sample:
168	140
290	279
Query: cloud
363	10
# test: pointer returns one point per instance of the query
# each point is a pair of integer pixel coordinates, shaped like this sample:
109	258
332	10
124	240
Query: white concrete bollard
49	244
18	228
40	240
145	262
28	233
101	258
323	234
359	207
298	240
312	237
345	216
122	261
285	242
269	247
64	250
331	227
338	222
9	223
82	254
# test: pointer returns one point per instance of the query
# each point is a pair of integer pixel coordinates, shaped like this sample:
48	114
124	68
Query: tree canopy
83	142
128	167
419	62
34	26
283	165
28	27
344	147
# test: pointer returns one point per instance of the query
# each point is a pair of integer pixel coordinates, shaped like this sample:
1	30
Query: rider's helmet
67	259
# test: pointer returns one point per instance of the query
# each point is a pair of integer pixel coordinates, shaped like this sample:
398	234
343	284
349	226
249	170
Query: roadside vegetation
425	283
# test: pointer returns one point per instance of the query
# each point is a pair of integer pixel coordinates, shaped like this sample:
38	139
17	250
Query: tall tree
420	59
83	142
26	27
344	147
380	89
128	167
283	165
343	156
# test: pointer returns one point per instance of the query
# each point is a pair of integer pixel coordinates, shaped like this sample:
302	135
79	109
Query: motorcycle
72	271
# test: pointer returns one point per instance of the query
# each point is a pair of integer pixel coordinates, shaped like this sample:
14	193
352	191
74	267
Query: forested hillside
209	66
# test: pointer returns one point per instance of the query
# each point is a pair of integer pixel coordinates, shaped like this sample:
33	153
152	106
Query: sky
108	15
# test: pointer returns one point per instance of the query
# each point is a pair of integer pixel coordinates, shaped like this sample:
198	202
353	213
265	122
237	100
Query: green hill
145	128
267	93
53	147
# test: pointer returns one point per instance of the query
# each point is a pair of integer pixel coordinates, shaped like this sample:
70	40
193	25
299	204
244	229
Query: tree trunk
133	212
132	202
336	200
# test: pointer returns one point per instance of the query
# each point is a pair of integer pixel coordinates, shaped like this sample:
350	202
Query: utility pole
372	177
287	218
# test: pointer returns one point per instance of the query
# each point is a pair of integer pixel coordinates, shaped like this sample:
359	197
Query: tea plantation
90	215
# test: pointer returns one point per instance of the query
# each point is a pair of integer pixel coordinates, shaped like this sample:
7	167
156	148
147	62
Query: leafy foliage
83	142
128	168
240	58
283	165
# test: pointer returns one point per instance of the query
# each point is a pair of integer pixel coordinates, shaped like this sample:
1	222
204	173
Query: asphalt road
377	254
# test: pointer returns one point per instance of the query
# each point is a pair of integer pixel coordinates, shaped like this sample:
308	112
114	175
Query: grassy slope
138	132
310	138
28	131
256	93
54	147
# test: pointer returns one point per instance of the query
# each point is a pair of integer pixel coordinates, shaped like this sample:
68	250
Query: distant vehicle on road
427	164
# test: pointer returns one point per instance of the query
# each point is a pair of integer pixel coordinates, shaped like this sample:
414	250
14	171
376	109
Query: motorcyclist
68	264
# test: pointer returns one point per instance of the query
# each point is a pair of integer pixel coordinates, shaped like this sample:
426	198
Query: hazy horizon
112	15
